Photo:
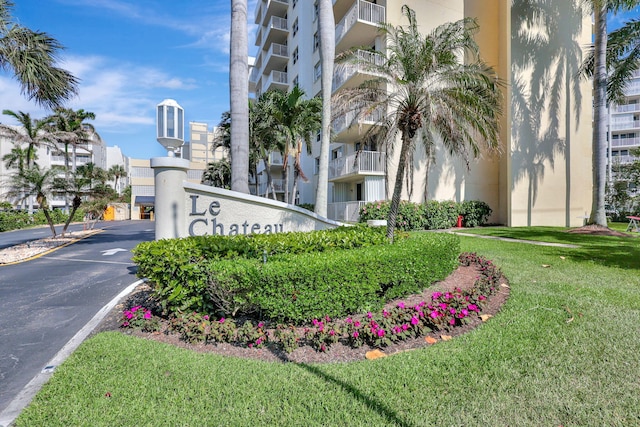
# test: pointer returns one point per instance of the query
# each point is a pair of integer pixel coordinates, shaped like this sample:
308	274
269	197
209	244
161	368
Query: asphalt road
46	301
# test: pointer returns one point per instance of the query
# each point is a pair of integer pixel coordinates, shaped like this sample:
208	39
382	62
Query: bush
475	213
441	215
15	219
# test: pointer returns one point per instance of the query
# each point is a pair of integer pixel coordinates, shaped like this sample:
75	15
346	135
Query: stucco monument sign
184	209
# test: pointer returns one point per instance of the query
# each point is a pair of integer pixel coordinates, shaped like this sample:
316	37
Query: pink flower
355	334
380	333
356	324
464	312
332	332
314	322
128	314
448	295
433	314
136	308
472	307
442	306
222	319
401	305
205	317
385	313
452	310
125	324
147	314
369	315
259	341
348	320
405	327
436	295
261	325
414	320
452	322
482	298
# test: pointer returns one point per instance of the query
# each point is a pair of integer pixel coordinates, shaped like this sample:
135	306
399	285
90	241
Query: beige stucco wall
543	176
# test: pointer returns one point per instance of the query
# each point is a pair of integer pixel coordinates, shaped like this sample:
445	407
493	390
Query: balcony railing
625	142
344	73
361	11
344	211
343	122
626	108
625	125
623	160
364	162
278	186
276	77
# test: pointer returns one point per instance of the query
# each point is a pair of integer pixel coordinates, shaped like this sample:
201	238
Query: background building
543	176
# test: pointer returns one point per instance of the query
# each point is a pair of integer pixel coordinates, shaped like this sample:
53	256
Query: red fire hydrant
459	223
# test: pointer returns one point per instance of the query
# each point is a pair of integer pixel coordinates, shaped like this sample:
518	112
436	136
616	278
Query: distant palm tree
33	133
239	94
597	66
38	181
298	120
326	25
433	88
31	56
217	174
116	172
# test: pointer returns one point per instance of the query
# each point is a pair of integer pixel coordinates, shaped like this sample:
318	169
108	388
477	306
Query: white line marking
86	260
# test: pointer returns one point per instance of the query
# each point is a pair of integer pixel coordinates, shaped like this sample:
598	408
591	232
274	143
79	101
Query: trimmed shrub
441	215
475	213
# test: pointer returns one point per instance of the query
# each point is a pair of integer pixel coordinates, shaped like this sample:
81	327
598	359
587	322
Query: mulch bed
463	278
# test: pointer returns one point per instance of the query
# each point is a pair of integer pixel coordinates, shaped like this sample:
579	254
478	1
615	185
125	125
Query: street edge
26	395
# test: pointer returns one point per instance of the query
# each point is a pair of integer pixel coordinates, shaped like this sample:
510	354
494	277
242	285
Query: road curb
27	394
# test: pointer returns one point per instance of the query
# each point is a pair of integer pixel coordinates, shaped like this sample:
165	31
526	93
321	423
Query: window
318	136
316	169
315	10
295	2
295	55
316	41
317	71
294	29
296	81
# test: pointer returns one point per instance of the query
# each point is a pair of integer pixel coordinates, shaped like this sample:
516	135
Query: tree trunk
239	95
326	23
599	143
76	204
285	176
397	187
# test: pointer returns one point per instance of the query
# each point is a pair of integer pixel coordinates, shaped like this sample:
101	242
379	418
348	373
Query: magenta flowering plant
322	334
253	336
141	318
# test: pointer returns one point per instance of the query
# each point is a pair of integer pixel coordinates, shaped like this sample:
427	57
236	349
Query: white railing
343	122
626	108
278	186
278	23
632	88
361	11
278	77
625	125
624	142
276	159
278	50
344	211
344	73
623	160
363	162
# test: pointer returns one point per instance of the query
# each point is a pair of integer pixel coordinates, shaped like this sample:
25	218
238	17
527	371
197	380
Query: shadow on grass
612	251
391	416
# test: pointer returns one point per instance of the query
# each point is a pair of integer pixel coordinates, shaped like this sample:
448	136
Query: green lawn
564	350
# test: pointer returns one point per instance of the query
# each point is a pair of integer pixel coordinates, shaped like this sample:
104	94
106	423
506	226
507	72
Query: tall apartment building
624	128
543	175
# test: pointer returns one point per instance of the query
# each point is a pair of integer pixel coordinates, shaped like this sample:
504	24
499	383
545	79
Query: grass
563	351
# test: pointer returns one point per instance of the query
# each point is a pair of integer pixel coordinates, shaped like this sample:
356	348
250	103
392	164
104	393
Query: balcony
623	160
269	8
625	125
278	186
359	27
356	165
276	31
276	80
625	142
629	108
276	57
351	75
346	130
344	211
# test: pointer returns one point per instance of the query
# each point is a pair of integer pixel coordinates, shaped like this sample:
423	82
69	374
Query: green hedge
342	276
15	220
432	215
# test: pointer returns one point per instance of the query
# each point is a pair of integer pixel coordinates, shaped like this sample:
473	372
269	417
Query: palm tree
297	119
264	135
31	56
34	180
77	185
326	24
429	94
217	174
116	172
239	94
33	132
597	64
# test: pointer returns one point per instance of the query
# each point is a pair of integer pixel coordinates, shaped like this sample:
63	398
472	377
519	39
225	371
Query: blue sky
132	54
